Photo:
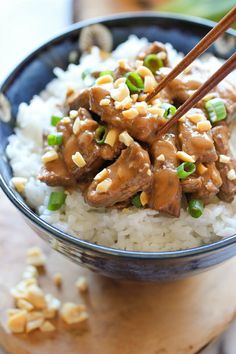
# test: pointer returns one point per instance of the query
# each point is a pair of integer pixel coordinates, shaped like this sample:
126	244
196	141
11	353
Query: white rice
132	229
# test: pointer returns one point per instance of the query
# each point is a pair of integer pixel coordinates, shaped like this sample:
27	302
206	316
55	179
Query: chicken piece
130	174
141	127
221	138
195	143
55	173
191	184
211	183
155	48
165	194
77	100
84	143
182	87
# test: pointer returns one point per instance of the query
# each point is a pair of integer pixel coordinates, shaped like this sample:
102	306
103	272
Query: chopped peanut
144	198
17	322
125	104
82	284
182	119
49	156
195	118
30	272
201	169
24	305
134	97
35	257
78	159
119	81
185	157
105	102
155	110
161	55
125	138
224	159
142	97
103	186
65	120
36	296
76	126
47	327
161	157
19	183
57	279
138	63
149	172
149	84
209	96
111	137
72	313
130	113
204	126
73	114
122	63
105	79
141	107
231	175
143	71
32	325
101	175
120	93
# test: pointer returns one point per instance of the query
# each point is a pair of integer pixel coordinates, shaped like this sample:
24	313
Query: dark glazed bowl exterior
32	75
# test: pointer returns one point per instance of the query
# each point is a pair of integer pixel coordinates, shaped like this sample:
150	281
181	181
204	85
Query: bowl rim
73	240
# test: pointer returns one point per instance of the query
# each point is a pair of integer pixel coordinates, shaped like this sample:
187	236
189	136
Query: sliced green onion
56	200
153	63
55	120
134	82
216	110
185	169
55	139
136	201
195	208
169	109
105	72
100	134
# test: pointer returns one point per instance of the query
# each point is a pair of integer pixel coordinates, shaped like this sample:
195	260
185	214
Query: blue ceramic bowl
32	75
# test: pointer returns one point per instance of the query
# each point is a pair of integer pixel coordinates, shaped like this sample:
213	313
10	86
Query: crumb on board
35	257
34	308
81	284
57	279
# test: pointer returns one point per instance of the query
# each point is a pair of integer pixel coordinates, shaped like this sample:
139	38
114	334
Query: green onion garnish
134	82
195	208
105	72
216	110
55	120
100	134
55	139
153	63
185	169
56	200
169	110
136	201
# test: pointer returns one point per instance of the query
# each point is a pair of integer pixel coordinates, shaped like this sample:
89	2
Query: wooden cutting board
132	318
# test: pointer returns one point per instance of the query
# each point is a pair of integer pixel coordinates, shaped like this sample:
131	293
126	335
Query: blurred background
25	24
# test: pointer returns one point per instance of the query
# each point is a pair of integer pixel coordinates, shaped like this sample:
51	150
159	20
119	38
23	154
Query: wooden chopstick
214	80
200	48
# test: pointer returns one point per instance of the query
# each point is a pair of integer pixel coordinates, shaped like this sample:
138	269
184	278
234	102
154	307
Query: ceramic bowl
32	75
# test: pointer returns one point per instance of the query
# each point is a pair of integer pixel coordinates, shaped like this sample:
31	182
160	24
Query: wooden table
171	318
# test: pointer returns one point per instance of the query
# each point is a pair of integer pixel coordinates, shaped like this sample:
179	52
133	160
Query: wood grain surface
172	318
